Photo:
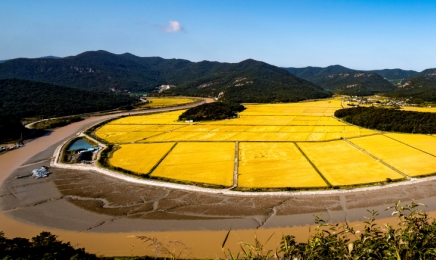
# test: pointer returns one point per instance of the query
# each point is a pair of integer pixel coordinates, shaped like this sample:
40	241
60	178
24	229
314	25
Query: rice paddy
420	109
269	146
275	165
407	159
210	163
139	158
342	164
156	102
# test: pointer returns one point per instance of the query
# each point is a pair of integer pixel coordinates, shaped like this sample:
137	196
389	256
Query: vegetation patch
43	246
413	236
390	119
212	111
11	128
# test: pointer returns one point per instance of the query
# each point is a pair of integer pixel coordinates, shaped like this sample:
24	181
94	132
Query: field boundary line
155	183
313	165
165	132
409	145
161	159
236	166
375	158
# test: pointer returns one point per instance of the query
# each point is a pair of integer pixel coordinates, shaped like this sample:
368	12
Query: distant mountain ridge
344	80
246	81
420	88
108	72
394	74
252	81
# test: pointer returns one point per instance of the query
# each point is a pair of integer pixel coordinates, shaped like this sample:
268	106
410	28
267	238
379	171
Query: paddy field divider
376	158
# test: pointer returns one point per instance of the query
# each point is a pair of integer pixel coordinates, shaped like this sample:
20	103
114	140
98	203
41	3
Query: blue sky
294	33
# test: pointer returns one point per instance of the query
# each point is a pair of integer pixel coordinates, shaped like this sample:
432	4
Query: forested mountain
394	74
315	74
419	88
24	98
344	80
93	71
104	71
251	81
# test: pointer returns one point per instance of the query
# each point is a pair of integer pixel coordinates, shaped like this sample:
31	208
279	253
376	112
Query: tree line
391	120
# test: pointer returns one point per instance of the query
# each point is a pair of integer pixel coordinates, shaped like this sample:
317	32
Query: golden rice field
139	158
342	164
275	165
426	143
210	163
405	158
295	145
420	109
166	102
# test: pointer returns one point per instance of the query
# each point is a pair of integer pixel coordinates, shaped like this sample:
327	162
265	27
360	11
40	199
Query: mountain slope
419	88
395	76
344	80
24	98
94	71
107	72
252	81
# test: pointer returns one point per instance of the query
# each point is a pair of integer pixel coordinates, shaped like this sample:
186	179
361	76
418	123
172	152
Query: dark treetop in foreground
43	246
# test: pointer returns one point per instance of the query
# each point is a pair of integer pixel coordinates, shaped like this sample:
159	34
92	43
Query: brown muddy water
197	244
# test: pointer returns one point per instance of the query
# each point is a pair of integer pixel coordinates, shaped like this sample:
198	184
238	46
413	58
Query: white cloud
173	26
